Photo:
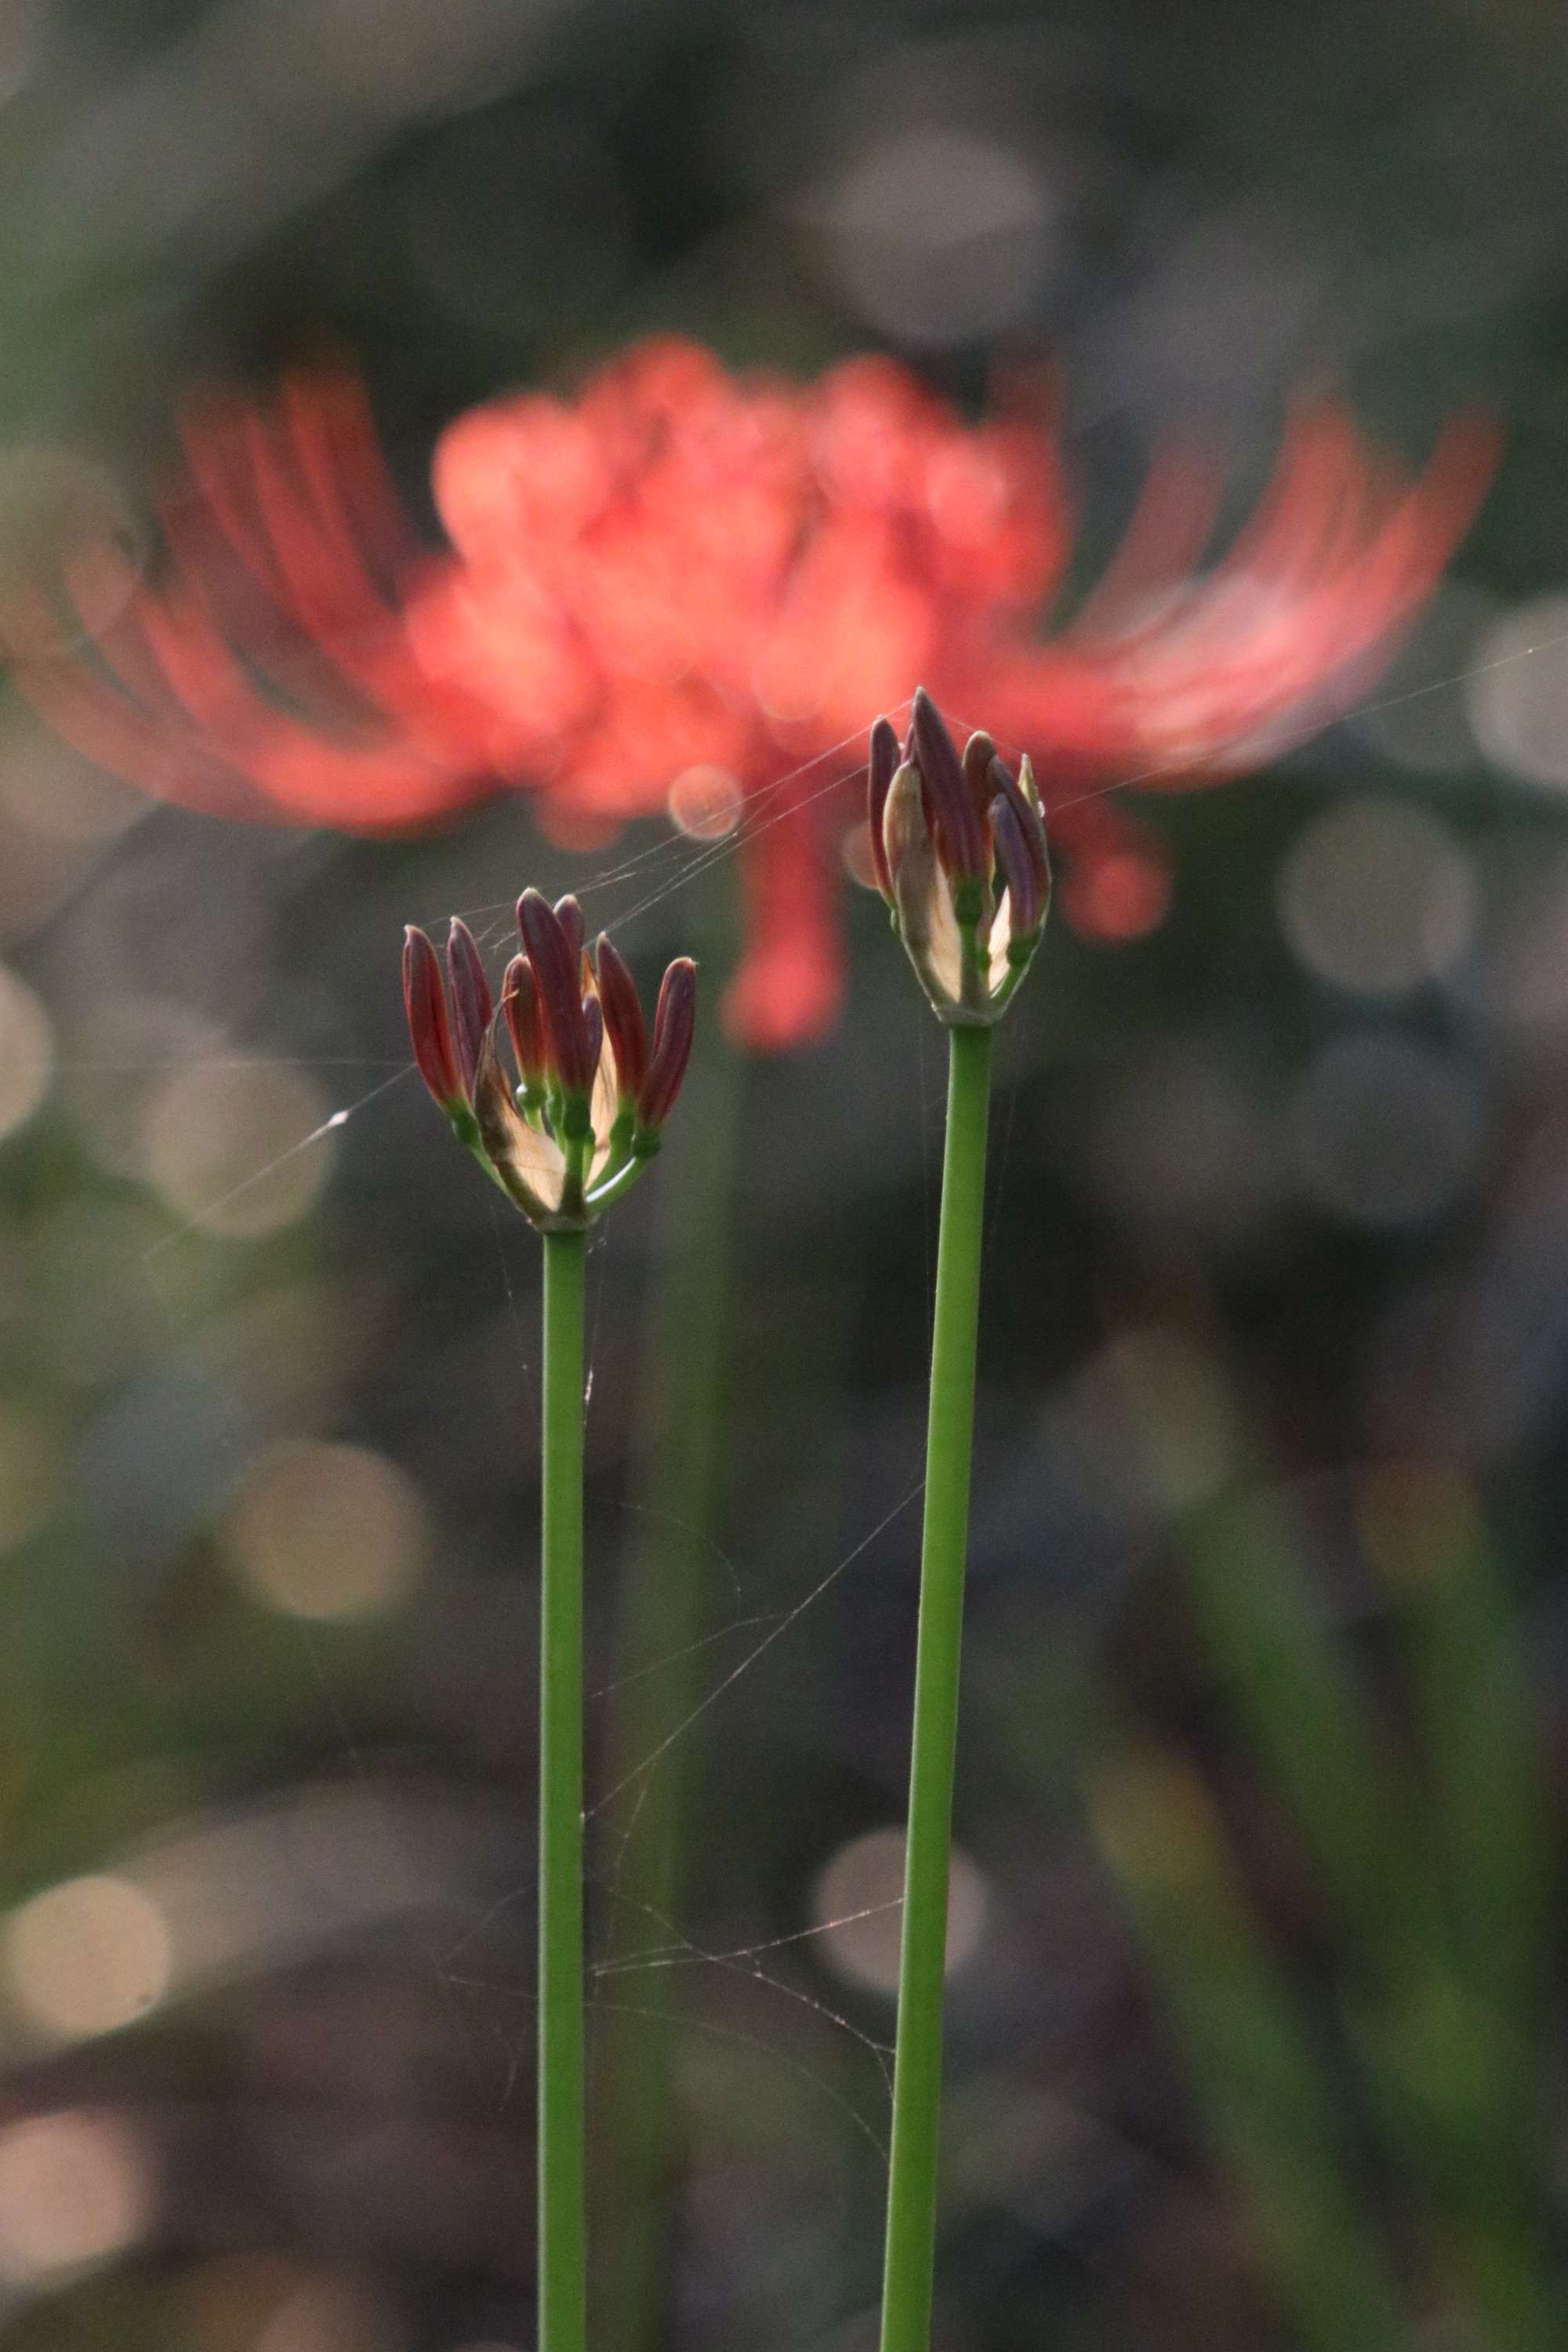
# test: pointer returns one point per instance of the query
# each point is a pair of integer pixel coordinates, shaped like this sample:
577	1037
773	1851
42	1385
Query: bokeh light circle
327	1532
1376	897
859	1907
86	1957
939	234
75	2189
705	802
235	1148
1517	694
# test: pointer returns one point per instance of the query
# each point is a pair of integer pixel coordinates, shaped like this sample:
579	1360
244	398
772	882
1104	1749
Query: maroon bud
556	965
978	754
429	1029
525	1021
957	822
471	1005
673	1025
569	915
594	1023
623	1018
1028	820
879	772
1025	900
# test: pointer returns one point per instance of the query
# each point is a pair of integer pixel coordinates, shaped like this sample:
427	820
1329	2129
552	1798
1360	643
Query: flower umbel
958	847
585	1115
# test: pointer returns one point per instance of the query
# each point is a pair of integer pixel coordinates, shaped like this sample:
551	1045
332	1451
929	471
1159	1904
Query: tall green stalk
958	846
566	1132
563	2325
916	2070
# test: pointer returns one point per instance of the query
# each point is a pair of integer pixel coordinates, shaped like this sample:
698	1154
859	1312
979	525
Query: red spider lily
681	581
959	849
574	1135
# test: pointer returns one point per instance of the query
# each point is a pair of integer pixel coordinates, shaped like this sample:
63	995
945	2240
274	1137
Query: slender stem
916	2070
561	2233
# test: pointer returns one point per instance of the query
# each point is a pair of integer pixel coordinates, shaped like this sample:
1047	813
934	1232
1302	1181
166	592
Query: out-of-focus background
1255	1995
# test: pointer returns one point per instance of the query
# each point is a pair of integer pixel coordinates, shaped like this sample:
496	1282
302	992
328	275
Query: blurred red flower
686	591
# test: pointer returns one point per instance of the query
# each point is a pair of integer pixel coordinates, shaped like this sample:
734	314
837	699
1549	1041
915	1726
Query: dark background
1256	2035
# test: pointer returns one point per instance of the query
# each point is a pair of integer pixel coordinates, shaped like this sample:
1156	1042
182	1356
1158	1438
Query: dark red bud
623	1017
880	771
1029	824
429	1030
957	820
471	1005
525	1021
569	915
673	1025
1025	901
978	754
556	966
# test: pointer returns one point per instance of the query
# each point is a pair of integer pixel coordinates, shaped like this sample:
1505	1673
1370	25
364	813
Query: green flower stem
561	2233
917	2071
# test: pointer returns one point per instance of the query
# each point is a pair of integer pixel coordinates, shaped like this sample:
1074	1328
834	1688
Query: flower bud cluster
592	1089
959	850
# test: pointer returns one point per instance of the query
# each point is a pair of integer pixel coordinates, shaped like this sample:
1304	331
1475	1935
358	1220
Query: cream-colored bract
968	970
527	1157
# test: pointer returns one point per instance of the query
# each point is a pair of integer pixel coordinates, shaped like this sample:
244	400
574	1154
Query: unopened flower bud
471	1006
978	754
1025	909
880	770
556	962
674	1024
525	1024
569	915
429	1029
624	1021
956	820
923	893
